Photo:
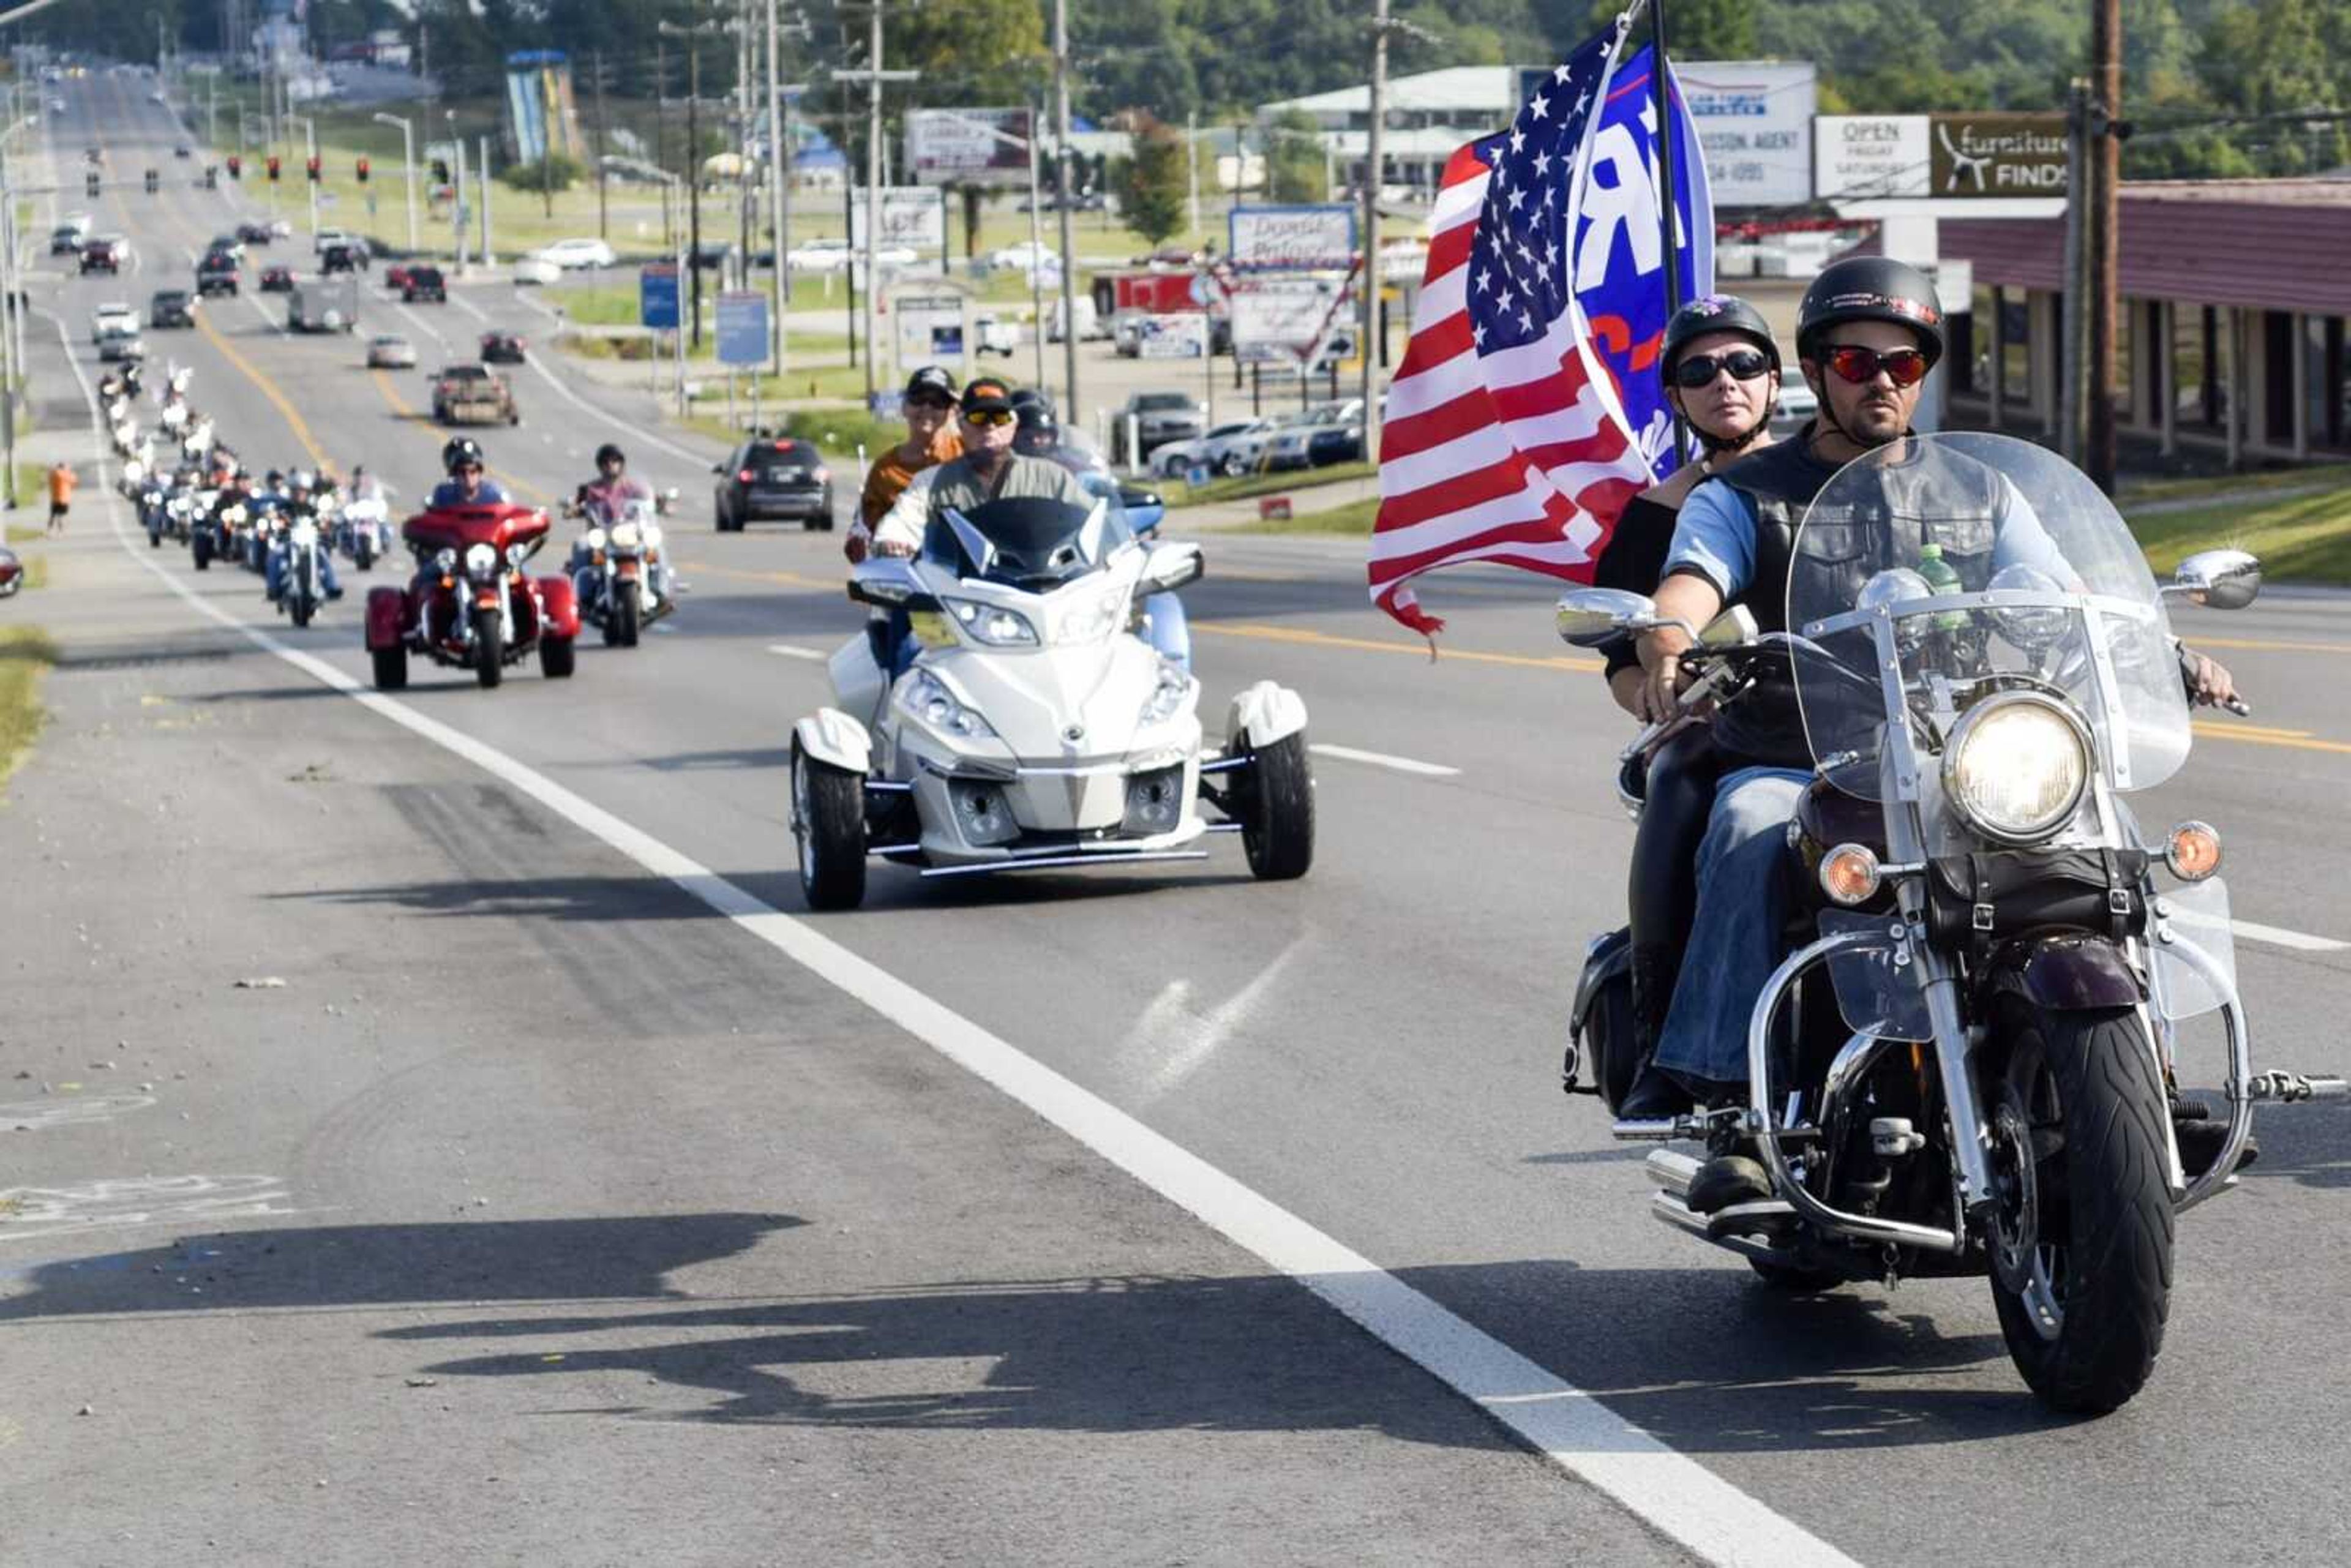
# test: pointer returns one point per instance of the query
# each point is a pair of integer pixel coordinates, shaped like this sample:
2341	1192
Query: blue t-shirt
447	494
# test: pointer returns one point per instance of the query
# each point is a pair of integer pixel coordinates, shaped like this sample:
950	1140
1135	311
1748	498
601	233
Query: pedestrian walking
61	488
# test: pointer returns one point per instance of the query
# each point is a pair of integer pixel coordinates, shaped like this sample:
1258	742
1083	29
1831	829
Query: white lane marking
646	436
2278	937
1674	1493
789	652
1382	760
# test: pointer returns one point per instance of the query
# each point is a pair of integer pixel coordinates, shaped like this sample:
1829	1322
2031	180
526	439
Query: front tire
1278	815
363	554
490	648
202	544
2081	1239
558	657
829	825
390	668
627	615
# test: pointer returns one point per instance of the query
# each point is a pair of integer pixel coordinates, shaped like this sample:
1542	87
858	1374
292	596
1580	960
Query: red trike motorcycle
470	603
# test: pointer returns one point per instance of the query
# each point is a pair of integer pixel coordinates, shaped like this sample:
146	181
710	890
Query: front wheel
363	553
2081	1233
627	615
489	646
1278	812
202	544
829	823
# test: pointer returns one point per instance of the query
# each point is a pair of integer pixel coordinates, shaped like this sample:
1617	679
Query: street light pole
872	197
1069	411
408	161
779	184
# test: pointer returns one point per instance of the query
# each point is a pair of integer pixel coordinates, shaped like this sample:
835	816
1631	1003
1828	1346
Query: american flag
1507	437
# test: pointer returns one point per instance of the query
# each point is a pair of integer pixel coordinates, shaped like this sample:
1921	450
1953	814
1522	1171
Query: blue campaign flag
1620	279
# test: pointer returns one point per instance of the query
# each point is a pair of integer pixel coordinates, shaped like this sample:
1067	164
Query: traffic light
212	176
90	184
152	182
310	167
363	171
439	171
273	167
236	167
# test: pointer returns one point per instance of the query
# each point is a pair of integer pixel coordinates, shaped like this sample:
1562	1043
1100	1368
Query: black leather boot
1655	1095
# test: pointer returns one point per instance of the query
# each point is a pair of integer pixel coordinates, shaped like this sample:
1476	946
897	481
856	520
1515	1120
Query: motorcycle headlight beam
991	624
2017	766
481	560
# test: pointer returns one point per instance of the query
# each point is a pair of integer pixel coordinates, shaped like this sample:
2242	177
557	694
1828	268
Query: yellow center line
2261	646
2298	739
432	432
1370	645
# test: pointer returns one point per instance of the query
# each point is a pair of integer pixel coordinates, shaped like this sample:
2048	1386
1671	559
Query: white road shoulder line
2278	937
1382	760
1674	1494
789	652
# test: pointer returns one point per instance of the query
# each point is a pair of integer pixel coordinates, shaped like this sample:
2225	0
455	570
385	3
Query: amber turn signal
1849	874
2193	851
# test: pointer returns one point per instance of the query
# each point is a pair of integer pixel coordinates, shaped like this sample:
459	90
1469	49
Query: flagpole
1668	205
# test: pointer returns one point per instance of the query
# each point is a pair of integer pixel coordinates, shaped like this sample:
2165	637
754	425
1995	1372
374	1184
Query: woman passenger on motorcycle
1721	370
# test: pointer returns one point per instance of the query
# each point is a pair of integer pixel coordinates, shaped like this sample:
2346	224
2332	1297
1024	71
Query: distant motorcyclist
297	505
364	485
467	484
604	500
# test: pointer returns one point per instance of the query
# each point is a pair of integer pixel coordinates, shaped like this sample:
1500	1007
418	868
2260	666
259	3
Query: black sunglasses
1852	362
1700	369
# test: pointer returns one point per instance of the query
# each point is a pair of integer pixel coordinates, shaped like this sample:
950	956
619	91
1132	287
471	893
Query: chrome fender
1265	713
832	738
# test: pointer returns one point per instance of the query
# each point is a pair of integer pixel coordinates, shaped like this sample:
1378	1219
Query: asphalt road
708	1156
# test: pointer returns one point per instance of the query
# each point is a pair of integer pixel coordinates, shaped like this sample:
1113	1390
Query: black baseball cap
986	392
931	381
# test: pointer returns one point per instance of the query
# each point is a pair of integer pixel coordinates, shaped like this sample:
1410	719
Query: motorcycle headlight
481	560
234	516
1168	696
445	561
2016	767
651	533
926	697
305	533
594	539
625	535
991	624
516	554
1092	620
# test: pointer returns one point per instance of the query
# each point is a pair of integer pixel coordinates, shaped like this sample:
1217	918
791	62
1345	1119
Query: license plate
785	475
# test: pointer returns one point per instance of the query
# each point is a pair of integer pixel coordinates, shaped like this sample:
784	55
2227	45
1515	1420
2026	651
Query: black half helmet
1870	288
1715	313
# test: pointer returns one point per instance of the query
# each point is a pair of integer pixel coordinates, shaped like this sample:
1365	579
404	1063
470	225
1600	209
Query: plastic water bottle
1941	579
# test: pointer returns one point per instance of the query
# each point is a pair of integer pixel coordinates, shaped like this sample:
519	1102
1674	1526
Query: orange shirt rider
931	439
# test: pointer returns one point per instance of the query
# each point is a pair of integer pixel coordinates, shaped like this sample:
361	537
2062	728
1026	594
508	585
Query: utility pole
2105	159
779	185
1071	409
874	76
1374	165
603	216
1192	157
481	183
457	207
693	36
2074	338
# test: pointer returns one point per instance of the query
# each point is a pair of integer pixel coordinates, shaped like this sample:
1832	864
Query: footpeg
2292	1088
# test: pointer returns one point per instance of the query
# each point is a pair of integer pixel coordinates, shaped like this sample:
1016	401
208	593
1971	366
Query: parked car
170	307
473	394
569	254
424	283
1295	444
391	351
536	268
1025	256
835	256
1247	453
1795	407
277	279
503	349
995	335
783	479
1219	451
105	254
1159	418
713	254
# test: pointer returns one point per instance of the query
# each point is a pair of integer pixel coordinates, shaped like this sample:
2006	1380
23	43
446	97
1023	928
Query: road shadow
1706	1360
567	898
2307	1145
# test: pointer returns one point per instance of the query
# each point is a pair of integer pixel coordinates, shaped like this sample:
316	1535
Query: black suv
424	283
255	233
216	274
783	479
102	255
170	307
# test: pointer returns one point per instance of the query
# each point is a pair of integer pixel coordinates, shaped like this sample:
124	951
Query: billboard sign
1870	157
1755	119
968	146
657	295
1281	319
914	217
932	328
540	115
742	328
1183	337
1314	239
1998	155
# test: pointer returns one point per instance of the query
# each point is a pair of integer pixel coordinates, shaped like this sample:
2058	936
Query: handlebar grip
2239	707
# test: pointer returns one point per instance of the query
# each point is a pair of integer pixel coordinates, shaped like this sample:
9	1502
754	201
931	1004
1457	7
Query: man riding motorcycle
602	500
297	505
1869	329
466	484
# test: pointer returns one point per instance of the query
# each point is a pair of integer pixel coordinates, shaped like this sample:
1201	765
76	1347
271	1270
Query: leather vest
1937	497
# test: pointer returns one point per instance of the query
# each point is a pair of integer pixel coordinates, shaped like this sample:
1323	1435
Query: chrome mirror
1589	617
2219	579
1731	629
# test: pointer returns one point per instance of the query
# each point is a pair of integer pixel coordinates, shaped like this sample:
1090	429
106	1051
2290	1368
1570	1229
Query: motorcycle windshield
1034	544
1940	571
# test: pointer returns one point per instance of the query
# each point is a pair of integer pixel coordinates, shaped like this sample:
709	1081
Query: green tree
1695	29
1157	184
1295	168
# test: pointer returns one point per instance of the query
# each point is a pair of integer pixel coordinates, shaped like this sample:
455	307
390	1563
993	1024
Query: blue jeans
274	573
1734	942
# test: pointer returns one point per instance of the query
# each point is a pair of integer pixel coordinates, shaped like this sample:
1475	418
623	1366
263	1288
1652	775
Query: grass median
25	655
1180	495
2300	539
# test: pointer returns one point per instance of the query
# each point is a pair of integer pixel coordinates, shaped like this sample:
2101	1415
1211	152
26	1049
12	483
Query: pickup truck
473	394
